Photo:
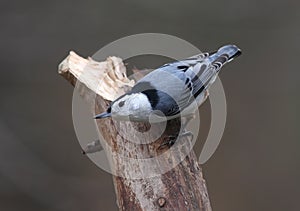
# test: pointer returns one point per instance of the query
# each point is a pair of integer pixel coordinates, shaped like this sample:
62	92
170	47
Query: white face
134	105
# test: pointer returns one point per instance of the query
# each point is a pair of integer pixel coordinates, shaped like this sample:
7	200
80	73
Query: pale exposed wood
107	79
181	188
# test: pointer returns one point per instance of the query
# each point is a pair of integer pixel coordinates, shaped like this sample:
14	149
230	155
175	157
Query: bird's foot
169	141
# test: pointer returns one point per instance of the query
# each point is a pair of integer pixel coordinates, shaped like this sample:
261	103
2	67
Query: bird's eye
121	104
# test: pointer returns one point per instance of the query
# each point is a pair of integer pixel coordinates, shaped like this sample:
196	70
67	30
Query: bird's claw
170	140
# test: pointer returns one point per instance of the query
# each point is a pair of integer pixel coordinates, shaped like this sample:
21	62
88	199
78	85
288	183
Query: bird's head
133	106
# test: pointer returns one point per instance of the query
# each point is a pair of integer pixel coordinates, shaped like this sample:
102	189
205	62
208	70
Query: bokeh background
256	166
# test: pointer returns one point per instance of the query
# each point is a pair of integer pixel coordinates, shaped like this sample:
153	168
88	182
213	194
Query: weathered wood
139	185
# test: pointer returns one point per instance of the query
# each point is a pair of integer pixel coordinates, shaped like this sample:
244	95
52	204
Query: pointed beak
102	115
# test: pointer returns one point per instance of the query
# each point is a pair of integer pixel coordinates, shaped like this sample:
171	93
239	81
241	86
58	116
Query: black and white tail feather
173	87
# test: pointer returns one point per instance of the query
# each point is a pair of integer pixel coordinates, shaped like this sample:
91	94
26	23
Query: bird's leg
184	132
170	140
187	134
188	118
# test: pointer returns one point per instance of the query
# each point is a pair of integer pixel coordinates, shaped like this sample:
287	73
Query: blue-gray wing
174	86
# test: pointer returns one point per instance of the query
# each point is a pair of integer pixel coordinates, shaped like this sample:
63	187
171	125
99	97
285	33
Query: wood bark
139	184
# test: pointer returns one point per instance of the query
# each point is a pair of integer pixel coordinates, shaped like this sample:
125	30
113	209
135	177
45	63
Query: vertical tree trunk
147	175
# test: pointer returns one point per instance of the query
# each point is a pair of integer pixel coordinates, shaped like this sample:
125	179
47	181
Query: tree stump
172	179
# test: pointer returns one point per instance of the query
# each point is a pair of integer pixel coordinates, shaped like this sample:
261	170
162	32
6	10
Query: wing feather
179	83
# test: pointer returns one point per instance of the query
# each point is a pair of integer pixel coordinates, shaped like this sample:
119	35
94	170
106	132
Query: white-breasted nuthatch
171	88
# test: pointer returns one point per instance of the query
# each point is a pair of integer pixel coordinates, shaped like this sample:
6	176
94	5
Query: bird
171	89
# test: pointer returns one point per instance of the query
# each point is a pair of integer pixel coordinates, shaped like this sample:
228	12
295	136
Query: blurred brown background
256	166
